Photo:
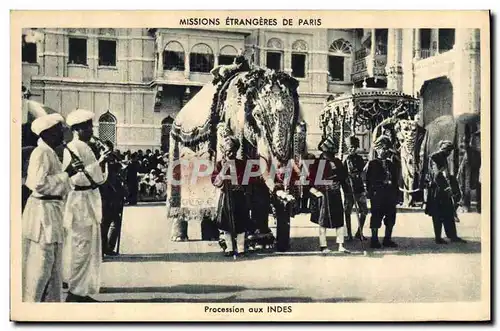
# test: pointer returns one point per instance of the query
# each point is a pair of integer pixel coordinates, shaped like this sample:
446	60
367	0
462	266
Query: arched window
274	54
299	58
201	58
107	127
173	56
339	50
227	54
341	46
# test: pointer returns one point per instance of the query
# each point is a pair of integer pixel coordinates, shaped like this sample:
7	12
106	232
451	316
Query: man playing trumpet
82	251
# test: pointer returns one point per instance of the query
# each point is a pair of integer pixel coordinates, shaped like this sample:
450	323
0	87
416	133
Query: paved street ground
151	268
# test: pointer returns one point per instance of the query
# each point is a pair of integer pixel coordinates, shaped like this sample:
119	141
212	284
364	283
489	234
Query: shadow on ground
236	299
308	246
407	246
187	289
181	257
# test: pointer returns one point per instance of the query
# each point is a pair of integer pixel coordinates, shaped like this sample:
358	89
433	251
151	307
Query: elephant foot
179	239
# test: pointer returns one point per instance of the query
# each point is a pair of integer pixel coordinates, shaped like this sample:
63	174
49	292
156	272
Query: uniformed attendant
382	187
42	223
356	192
443	196
332	211
233	216
83	213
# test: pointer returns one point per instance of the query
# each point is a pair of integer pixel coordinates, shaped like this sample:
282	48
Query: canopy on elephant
364	107
192	123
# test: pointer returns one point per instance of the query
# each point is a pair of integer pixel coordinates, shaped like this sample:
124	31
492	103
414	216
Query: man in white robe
83	213
42	223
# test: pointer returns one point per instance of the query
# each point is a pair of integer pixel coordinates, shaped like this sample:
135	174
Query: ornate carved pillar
417	46
434	42
394	67
287	62
216	60
262	58
475	70
159	54
373	43
467	72
186	66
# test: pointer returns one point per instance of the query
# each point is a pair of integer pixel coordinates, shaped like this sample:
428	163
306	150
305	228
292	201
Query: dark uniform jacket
331	206
354	165
382	178
439	200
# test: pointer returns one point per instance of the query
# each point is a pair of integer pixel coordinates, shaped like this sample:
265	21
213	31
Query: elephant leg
179	229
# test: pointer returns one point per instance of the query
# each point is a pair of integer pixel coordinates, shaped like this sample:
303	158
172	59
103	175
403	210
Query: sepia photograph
245	166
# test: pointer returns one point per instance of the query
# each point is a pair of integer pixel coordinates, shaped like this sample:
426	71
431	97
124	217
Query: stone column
186	66
394	68
373	44
434	42
159	49
417	46
467	72
216	60
262	57
474	51
287	61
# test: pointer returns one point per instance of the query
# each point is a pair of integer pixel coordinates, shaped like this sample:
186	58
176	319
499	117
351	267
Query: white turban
45	122
79	116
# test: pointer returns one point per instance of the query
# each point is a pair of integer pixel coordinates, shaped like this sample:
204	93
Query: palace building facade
136	80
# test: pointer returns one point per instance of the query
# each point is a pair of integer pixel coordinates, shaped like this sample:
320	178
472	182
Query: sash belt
49	197
83	188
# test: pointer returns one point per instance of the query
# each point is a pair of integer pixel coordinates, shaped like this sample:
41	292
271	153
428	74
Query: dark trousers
209	230
304	203
383	208
133	192
282	226
111	226
449	226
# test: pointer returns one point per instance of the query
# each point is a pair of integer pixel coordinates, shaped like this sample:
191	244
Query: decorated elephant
465	160
259	107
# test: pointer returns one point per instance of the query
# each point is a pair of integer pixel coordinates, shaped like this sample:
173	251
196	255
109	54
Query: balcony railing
381	49
426	53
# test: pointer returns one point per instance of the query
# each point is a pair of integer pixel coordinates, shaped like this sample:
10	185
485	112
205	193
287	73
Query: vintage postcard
250	166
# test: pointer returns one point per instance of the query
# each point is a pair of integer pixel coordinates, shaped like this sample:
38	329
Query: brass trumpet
104	148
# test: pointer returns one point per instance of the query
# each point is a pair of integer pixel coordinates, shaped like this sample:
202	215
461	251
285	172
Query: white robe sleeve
38	179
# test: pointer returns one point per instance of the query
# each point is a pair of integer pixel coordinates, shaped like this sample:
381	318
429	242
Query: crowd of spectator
144	175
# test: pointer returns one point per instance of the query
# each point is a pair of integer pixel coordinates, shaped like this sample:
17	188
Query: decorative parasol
366	107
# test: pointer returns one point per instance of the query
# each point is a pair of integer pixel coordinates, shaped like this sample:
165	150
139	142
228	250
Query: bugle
104	148
93	184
